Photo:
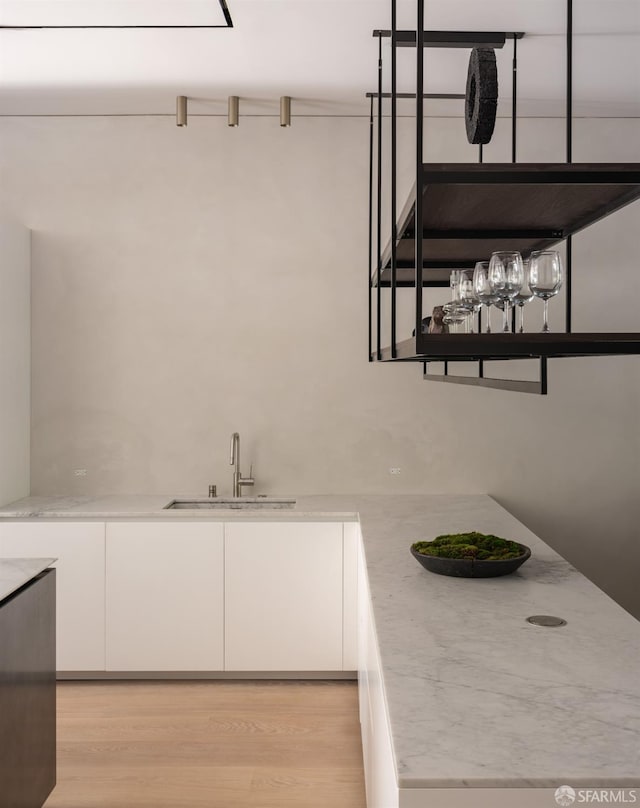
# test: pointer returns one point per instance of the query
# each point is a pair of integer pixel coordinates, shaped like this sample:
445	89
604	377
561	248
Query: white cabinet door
283	597
165	596
79	548
377	751
352	539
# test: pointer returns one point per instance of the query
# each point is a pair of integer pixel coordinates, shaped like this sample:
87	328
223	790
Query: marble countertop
15	572
476	696
153	506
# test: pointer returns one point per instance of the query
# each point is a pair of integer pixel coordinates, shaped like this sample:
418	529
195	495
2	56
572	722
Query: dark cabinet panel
27	694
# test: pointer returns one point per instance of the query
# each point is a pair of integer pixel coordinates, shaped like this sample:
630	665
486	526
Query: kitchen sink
236	503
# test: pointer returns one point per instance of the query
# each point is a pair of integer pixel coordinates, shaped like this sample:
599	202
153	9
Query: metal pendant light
285	110
181	110
233	116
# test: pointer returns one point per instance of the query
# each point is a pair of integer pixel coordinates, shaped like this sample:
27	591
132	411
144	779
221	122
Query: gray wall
15	359
188	283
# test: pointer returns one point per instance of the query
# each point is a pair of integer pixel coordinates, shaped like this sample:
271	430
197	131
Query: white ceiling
320	52
111	12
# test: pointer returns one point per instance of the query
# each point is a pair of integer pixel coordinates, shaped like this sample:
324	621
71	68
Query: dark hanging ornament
481	102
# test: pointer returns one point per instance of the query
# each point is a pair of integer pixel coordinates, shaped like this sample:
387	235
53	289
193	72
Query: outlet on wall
80	472
394	470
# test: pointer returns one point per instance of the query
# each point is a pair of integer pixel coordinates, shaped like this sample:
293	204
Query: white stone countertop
476	696
153	506
16	572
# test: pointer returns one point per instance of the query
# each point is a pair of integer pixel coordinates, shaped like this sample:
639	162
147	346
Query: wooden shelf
465	347
471	210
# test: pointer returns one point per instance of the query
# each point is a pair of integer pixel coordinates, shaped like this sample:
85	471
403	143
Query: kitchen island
465	700
27	682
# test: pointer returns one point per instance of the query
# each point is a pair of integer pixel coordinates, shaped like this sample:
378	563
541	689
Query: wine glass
455	313
524	296
454	285
481	286
545	278
468	296
506	276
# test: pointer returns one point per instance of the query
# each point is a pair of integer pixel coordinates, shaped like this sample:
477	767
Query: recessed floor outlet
546	620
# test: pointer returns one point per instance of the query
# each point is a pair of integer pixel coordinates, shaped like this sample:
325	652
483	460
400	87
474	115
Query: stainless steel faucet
238	479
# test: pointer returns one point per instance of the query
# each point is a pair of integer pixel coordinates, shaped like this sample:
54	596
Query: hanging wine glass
481	286
468	297
454	285
455	313
524	296
506	276
545	278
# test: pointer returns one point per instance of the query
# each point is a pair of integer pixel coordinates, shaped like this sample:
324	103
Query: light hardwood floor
208	745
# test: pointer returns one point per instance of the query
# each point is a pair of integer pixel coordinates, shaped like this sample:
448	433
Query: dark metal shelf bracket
514	385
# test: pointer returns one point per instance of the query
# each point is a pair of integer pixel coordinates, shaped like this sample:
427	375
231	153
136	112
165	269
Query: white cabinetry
178	596
165	596
80	611
352	538
283	597
377	752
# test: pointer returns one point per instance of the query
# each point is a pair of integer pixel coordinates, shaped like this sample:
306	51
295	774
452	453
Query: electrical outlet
80	472
394	470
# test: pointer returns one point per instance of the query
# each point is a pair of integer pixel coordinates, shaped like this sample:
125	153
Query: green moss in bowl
470	555
479	546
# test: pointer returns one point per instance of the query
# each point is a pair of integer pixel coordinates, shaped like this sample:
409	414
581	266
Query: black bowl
471	567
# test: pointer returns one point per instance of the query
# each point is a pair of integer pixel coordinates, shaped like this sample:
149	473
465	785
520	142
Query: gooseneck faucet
238	479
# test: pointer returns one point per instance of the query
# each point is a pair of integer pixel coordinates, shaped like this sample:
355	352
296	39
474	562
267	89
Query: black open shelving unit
459	213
